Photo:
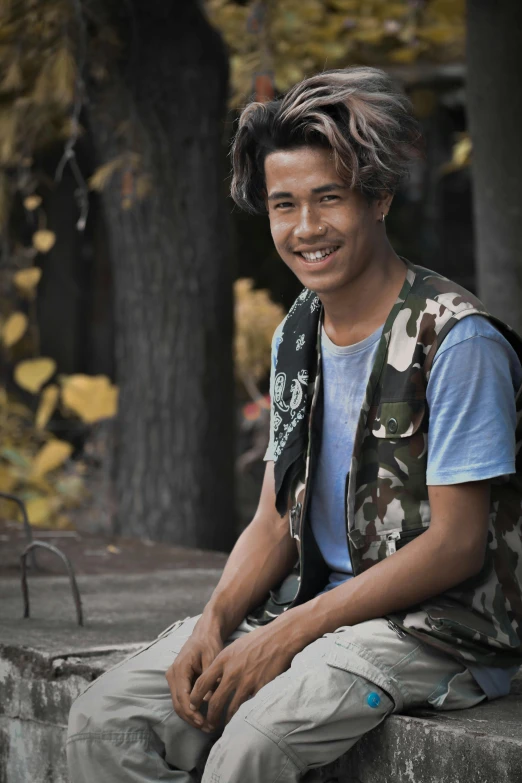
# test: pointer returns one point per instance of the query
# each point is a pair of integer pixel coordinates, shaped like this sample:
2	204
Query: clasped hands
207	672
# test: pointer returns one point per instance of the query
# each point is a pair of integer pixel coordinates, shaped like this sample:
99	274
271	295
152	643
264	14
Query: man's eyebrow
279	194
321	189
328	187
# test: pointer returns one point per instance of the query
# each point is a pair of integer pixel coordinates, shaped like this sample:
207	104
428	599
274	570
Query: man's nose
308	224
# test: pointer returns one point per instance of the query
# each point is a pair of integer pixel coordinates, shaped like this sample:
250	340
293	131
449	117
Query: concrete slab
119	609
46	661
482	745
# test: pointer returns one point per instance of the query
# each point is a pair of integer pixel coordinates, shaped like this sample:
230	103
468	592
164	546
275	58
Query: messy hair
357	113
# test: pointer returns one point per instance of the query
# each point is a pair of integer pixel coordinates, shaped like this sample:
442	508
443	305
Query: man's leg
337	689
123	728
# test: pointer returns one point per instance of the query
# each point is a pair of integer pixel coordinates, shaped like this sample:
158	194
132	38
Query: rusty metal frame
27	525
70	571
30	551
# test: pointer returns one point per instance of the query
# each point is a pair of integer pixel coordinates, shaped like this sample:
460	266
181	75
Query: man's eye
330	197
283	205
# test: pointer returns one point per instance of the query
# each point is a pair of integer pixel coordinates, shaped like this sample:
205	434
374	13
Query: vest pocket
401	439
391	496
394	420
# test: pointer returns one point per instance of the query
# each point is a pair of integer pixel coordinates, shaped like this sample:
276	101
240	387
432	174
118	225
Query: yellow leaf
9	135
55	83
13	80
63	522
92	398
33	373
44	240
114	550
41	510
8	479
130	161
405	55
369	36
26	280
14	329
50	457
32	202
462	151
103	174
47	405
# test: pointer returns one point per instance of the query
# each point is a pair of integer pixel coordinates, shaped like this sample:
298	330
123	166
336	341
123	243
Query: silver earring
382	218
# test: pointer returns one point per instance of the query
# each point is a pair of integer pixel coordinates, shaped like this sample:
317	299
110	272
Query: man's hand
241	670
194	658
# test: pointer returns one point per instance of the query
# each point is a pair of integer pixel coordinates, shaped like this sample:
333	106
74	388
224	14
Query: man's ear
383	205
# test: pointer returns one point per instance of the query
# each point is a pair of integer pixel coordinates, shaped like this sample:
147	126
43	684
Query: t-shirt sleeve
276	340
471	400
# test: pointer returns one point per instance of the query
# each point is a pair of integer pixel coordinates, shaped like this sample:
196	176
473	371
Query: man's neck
353	313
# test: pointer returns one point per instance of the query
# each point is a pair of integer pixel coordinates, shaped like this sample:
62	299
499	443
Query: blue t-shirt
470	395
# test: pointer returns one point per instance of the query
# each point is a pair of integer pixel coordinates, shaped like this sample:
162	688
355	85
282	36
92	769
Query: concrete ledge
482	745
36	693
47	661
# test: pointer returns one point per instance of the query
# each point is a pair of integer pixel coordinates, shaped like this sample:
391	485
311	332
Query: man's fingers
218	701
180	679
208	657
206	682
235	704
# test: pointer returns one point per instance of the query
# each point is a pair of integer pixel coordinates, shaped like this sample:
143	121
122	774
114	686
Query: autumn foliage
45	57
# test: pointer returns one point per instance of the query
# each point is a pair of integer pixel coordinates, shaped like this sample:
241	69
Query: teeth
318	254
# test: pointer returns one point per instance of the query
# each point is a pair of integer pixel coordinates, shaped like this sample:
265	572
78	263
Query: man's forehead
305	169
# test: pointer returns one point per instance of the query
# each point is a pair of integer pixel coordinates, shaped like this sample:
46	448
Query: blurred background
137	304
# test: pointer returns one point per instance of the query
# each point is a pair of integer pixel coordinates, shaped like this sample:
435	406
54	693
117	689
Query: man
390	477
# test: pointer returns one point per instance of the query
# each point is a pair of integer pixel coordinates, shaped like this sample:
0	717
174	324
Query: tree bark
494	56
166	101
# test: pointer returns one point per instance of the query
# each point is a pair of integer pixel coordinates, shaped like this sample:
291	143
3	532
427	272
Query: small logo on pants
373	699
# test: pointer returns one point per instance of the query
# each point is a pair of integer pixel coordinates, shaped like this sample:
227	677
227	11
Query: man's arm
264	554
449	552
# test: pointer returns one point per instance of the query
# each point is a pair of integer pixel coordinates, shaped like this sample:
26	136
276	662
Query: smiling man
383	568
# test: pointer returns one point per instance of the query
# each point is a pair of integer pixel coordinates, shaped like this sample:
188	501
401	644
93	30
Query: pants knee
86	715
246	753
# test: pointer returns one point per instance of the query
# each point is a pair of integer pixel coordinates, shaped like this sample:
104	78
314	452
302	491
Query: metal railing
29	552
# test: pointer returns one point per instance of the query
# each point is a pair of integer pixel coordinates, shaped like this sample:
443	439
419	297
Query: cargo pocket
359	661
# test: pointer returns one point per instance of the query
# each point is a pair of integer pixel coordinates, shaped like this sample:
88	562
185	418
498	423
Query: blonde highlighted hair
358	113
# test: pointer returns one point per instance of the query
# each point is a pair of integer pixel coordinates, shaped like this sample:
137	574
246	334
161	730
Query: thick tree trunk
494	54
172	276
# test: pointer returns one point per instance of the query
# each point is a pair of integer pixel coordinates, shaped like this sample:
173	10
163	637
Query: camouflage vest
387	502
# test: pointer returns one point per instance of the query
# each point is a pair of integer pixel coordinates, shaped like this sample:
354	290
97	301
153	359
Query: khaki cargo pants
123	729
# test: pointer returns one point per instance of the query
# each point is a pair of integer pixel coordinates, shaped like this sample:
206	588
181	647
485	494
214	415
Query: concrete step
44	665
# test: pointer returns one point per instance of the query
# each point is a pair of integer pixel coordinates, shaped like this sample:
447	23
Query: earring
382	218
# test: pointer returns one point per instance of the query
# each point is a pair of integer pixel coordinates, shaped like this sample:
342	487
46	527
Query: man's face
324	231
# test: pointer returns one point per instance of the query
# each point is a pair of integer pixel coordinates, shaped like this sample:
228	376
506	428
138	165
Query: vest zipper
391	543
295	514
346	484
394	537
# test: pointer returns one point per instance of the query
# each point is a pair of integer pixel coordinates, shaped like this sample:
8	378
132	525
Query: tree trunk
165	100
494	55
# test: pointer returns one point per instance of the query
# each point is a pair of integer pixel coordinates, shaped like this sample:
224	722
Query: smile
318	255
